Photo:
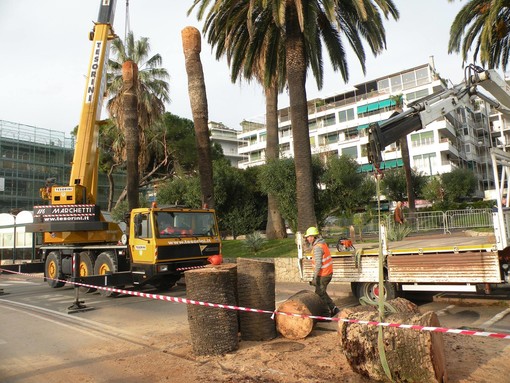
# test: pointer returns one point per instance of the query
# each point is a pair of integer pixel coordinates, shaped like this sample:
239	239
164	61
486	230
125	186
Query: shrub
398	232
254	241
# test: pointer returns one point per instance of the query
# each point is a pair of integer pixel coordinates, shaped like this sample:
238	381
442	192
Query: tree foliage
458	185
394	184
482	26
345	189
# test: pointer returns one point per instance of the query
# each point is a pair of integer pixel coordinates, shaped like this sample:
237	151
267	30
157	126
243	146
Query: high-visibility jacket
327	261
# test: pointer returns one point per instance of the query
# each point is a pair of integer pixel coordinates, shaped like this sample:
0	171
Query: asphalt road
39	336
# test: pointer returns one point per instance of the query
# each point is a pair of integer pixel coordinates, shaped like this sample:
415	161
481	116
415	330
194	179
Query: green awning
392	164
375	106
361	127
366	168
362	109
386	103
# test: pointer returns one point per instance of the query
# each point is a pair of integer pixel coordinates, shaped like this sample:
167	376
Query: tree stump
232	268
214	331
304	302
256	290
412	356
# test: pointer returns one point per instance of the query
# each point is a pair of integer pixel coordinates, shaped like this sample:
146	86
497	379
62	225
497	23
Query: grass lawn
276	248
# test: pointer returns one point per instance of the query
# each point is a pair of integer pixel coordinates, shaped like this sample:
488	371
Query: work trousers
321	290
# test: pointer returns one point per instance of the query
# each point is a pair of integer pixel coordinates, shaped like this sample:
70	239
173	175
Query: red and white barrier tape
247	309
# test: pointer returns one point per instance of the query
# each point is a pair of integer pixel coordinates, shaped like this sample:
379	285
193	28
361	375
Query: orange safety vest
327	261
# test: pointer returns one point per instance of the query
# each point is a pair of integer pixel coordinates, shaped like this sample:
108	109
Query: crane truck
421	265
73	223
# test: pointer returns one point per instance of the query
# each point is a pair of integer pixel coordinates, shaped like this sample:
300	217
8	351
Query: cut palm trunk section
304	303
256	289
411	355
214	331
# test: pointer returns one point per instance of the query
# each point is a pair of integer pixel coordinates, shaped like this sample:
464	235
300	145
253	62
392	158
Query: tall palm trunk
404	149
296	75
191	43
275	227
131	131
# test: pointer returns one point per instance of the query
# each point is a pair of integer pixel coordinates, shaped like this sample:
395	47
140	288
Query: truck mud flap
111	280
29	268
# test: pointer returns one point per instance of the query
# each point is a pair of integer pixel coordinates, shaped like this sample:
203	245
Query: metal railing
432	221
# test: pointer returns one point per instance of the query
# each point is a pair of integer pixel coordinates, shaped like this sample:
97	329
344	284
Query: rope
380	339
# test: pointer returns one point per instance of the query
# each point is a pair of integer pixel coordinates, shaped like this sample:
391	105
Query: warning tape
273	313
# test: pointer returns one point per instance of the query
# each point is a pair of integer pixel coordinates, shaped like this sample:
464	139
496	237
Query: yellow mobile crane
160	242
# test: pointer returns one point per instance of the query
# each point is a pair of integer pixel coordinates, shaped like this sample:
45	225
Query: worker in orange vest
322	267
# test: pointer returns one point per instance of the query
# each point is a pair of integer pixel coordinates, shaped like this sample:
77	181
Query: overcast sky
45	57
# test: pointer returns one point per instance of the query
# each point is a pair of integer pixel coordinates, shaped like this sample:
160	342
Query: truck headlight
162	268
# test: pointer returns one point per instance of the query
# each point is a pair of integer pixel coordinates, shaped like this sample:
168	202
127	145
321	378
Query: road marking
496	318
18	283
445	310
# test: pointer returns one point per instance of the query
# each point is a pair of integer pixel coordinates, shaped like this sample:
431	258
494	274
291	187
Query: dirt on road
164	357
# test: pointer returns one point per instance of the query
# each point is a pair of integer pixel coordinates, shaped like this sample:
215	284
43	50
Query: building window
409	80
351	134
383	85
285	132
422	76
329	120
285	147
330	138
396	83
346	115
422	139
351	152
425	163
417	95
257	155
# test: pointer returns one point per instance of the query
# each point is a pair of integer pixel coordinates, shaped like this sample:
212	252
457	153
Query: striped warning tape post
272	313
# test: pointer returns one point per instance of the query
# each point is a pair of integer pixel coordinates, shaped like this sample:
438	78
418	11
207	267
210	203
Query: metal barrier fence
431	221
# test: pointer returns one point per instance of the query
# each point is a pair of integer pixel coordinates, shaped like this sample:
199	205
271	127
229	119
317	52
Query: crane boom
72	215
440	104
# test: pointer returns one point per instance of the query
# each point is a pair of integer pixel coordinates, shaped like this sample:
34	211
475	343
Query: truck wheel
370	290
86	269
53	270
106	263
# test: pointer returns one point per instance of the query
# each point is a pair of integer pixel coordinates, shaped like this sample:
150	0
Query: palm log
256	290
304	303
214	331
412	355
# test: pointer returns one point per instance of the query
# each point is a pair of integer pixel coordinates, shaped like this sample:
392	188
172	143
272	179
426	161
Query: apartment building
228	140
29	156
338	125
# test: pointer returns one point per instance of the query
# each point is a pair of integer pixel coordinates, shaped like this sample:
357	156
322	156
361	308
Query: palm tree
191	43
130	123
151	91
249	52
482	25
404	149
304	26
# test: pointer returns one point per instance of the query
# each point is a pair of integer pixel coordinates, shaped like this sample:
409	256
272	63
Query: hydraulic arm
440	104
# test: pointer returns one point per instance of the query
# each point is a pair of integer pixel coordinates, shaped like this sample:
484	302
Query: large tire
86	269
370	291
106	263
53	270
